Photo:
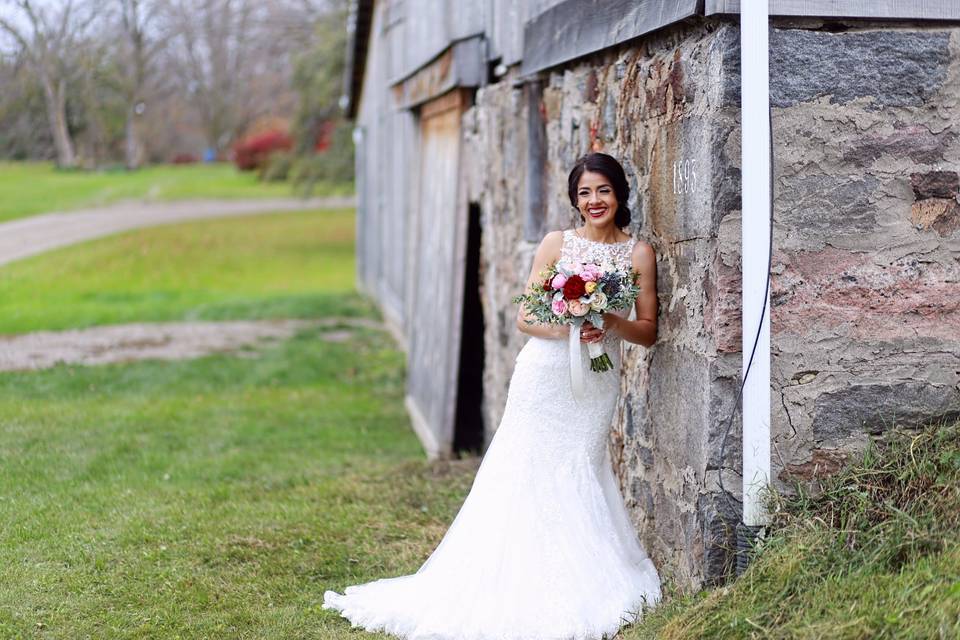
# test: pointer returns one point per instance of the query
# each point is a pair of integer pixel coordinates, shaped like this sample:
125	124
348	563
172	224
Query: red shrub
324	135
252	152
185	158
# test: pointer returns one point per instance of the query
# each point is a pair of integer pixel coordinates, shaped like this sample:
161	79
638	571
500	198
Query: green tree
318	76
318	80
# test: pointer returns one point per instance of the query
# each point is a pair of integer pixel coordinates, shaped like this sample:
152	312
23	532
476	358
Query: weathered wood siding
575	28
386	145
429	27
438	224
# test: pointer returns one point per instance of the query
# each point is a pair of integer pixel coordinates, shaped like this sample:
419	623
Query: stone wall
667	111
865	292
494	168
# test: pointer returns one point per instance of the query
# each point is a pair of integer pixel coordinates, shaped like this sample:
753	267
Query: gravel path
155	340
150	340
36	234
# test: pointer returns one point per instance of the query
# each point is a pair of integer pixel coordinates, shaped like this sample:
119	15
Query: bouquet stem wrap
595	349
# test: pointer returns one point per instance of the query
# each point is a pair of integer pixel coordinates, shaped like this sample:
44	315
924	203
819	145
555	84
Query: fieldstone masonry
866	284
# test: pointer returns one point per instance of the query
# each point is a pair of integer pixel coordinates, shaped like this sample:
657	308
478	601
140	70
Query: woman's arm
547	253
643	330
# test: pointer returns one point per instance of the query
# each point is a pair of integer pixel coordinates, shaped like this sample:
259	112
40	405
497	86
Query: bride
543	547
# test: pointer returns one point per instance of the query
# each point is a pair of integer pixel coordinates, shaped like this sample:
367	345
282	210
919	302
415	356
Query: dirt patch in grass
157	340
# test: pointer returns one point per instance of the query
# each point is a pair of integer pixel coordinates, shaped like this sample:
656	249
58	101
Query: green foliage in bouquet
619	287
537	301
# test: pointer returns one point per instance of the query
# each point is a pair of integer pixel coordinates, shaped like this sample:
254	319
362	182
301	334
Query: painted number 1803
684	176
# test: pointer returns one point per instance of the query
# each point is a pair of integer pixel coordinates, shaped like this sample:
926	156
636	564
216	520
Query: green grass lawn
28	188
278	265
217	497
211	498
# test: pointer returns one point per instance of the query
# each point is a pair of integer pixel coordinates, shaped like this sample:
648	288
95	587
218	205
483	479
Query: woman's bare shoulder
643	257
551	243
553	238
643	250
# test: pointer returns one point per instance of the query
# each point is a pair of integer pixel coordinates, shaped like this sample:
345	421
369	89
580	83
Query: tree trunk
57	117
133	149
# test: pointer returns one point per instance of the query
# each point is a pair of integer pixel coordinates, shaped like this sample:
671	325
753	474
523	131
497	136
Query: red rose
574	287
546	285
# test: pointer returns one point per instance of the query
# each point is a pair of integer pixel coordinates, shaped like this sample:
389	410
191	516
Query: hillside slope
876	554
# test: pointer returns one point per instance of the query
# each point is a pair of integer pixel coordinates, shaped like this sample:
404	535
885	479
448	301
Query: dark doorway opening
468	425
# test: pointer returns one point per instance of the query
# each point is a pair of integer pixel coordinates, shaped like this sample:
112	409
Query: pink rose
578	308
558	281
559	306
590	273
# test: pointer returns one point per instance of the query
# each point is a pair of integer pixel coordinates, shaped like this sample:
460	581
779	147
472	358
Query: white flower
598	301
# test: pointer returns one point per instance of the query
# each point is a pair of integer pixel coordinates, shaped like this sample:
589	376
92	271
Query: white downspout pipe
755	247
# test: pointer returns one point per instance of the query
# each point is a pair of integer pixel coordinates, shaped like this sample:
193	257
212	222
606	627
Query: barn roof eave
359	25
572	29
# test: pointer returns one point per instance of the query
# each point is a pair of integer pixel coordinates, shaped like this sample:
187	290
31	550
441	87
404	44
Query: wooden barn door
438	244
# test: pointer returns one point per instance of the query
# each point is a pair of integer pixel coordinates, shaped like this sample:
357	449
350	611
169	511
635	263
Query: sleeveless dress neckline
609	244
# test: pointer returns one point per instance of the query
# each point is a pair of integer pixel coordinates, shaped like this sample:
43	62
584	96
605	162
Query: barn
468	116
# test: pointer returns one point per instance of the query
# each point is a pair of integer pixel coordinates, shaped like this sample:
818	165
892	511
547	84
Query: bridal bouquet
572	293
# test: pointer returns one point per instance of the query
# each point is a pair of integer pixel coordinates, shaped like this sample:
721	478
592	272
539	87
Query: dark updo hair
611	169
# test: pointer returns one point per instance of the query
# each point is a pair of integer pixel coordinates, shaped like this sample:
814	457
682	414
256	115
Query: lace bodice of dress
577	249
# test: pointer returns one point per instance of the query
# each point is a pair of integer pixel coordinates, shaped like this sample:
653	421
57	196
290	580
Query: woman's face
596	199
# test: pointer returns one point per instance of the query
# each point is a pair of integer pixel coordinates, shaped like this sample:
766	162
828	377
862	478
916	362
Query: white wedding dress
543	547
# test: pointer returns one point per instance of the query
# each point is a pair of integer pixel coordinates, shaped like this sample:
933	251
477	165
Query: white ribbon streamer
576	366
594	350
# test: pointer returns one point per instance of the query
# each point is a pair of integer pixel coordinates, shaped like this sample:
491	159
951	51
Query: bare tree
236	59
145	79
46	38
90	103
141	44
23	121
215	39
